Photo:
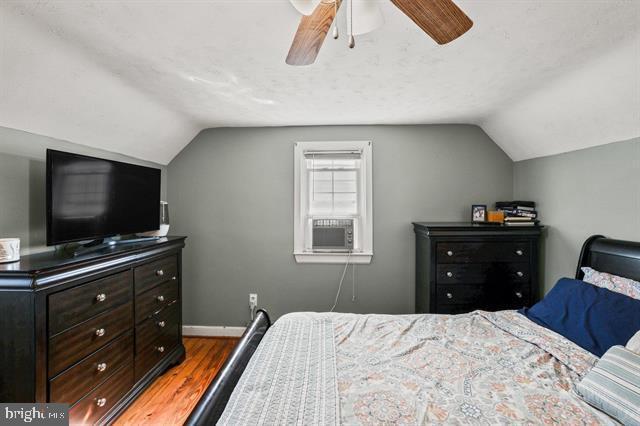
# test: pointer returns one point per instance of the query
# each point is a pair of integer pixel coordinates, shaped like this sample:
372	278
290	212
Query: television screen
91	198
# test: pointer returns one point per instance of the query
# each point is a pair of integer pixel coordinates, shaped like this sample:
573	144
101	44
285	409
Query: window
333	202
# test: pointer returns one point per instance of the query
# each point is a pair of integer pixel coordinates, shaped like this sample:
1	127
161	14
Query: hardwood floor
170	399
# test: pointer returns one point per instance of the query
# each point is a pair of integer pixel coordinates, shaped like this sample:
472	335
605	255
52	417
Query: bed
475	368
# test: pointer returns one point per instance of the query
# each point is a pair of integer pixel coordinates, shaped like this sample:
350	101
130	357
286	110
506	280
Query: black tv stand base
102	243
93	243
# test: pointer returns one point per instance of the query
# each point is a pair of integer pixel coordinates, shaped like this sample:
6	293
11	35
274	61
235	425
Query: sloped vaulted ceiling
143	78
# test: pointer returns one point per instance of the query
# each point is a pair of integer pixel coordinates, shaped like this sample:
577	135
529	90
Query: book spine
520	213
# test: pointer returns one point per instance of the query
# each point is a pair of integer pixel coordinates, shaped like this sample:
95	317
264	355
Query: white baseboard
212	331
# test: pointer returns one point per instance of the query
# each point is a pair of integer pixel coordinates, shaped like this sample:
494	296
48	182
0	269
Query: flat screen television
92	198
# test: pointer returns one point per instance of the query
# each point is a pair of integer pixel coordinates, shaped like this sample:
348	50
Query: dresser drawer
150	275
478	252
509	297
72	384
479	273
70	307
95	405
74	344
167	321
155	299
152	354
460	294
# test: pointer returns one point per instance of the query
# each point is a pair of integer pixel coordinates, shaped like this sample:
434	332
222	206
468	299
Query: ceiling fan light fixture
306	7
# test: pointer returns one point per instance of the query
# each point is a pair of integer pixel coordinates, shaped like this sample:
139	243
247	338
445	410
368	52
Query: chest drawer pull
519	252
449	253
101	297
101	402
449	274
520	274
449	296
518	295
101	367
160	349
100	332
159	272
161	324
174	278
160	298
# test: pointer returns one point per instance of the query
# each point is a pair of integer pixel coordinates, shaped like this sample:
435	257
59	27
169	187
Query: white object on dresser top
9	250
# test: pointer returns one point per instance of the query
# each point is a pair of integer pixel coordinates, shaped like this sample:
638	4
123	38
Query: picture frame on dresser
92	331
478	213
461	267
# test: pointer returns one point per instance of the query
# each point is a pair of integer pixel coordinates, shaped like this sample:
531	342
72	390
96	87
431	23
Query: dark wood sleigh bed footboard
214	400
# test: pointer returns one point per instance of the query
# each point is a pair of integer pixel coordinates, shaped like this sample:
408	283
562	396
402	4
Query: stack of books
518	213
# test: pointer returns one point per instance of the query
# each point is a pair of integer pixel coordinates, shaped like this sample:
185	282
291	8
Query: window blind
333	182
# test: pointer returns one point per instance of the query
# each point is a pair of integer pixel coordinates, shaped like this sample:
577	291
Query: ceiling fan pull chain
352	39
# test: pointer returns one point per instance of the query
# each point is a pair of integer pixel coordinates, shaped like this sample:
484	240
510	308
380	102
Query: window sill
335	258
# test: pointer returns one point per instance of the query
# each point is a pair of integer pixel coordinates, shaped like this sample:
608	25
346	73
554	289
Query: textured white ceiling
143	77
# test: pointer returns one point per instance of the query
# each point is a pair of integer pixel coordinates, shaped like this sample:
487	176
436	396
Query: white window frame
300	184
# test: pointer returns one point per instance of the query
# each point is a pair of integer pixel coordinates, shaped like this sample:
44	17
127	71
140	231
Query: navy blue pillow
594	318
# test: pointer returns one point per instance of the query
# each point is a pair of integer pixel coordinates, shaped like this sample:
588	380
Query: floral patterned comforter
476	368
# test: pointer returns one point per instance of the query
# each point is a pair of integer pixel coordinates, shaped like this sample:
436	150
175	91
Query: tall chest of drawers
90	331
461	267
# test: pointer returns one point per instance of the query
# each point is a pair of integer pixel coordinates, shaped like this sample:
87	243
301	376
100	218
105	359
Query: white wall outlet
253	300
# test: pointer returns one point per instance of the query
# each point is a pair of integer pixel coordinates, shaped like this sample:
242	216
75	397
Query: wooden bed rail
214	400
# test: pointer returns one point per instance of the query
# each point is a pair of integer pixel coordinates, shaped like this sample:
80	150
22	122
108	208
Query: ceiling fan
442	20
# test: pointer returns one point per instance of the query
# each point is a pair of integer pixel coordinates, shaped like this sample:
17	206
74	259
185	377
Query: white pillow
612	385
634	343
621	285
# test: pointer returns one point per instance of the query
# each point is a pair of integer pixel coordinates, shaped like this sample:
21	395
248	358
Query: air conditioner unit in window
332	235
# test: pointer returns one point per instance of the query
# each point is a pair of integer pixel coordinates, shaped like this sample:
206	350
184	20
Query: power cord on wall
353	282
353	277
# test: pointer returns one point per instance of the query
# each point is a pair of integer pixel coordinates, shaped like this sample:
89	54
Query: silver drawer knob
101	297
161	324
449	253
519	252
520	274
159	272
160	298
102	366
174	278
100	332
450	274
101	402
518	295
449	296
160	349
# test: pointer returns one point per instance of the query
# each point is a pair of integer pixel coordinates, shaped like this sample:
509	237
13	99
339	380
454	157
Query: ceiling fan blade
311	34
441	19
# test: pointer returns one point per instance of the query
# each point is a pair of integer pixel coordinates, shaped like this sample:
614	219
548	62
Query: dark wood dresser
91	331
461	267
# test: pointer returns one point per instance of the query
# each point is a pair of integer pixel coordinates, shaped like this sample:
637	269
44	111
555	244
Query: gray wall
22	183
581	193
231	192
